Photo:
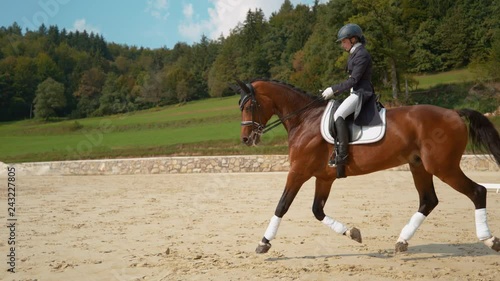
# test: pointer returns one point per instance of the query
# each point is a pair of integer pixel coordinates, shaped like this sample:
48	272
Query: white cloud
224	16
158	9
81	25
193	31
188	11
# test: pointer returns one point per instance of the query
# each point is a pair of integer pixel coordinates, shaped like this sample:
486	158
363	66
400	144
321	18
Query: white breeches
347	107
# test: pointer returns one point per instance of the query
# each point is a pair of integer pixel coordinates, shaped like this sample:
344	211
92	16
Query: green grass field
201	128
207	127
455	76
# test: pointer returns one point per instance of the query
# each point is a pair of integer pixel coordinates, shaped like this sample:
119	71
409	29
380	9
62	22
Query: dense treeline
51	72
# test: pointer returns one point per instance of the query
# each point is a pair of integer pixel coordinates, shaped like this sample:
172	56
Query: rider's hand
328	93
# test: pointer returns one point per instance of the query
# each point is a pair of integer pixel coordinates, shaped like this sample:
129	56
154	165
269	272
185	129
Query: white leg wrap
335	225
409	230
272	229
482	229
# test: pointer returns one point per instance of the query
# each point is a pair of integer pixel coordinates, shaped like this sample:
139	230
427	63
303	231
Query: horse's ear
243	86
234	87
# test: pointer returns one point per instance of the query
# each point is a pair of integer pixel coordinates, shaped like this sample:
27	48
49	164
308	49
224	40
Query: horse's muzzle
251	140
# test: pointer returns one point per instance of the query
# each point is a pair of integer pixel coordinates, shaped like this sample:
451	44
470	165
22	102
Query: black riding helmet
351	30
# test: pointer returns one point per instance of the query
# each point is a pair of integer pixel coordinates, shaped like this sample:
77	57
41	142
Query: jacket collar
355	47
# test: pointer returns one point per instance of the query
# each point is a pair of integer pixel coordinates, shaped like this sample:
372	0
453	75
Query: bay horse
429	138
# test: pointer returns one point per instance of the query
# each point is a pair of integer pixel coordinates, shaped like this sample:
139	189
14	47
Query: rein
280	121
258	128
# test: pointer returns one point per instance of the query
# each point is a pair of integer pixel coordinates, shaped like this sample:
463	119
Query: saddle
357	134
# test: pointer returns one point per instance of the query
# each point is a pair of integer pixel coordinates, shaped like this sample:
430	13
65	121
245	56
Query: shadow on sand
419	252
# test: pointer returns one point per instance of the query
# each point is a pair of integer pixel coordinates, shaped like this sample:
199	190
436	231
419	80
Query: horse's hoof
354	234
263	248
493	243
401	247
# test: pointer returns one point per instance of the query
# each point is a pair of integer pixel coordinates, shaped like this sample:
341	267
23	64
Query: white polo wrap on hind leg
482	229
272	229
409	230
335	225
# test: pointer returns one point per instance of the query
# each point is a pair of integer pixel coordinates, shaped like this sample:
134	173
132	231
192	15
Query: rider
359	67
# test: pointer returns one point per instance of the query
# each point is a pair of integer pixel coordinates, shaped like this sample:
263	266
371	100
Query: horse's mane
288	85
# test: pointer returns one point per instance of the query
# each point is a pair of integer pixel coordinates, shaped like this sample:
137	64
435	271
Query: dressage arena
206	227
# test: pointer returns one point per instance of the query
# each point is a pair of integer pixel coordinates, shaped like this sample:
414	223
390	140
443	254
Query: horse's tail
482	133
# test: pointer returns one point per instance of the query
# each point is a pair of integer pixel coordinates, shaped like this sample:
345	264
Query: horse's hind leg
477	194
320	196
427	202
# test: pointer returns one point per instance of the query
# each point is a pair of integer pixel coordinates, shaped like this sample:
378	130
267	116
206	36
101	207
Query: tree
183	91
116	95
381	20
89	91
452	37
494	58
287	34
25	83
253	59
178	81
6	94
224	69
49	97
203	57
46	67
10	109
486	69
321	63
424	54
153	91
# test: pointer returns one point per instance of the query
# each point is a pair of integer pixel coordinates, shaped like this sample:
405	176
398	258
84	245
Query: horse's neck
288	102
289	107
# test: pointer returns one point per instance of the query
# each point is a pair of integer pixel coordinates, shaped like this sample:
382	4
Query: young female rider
359	67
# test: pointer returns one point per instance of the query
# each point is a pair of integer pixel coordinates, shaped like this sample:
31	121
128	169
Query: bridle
257	127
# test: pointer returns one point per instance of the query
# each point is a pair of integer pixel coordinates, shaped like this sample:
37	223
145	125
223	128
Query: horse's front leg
427	202
321	194
293	183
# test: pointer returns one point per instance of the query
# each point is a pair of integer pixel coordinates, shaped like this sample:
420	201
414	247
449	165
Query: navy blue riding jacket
359	67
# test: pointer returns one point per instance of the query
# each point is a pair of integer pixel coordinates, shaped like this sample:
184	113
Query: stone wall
202	164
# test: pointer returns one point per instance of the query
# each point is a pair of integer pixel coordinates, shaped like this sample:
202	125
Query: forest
53	73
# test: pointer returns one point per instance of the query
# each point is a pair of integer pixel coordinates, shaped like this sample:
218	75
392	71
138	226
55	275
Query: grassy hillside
200	128
427	81
208	127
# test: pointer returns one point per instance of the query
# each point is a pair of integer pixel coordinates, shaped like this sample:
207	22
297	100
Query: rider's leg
345	109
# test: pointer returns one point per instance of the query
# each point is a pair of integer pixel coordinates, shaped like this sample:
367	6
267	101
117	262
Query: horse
430	139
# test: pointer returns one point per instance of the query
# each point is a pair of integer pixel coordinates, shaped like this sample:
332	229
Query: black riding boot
342	140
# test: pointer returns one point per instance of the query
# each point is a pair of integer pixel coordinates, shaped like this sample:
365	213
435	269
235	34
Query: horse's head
254	114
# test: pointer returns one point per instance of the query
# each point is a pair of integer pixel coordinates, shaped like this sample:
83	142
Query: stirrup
332	163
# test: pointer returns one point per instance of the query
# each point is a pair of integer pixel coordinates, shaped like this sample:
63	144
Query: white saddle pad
360	134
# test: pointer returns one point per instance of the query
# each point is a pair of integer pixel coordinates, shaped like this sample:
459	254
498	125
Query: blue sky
147	23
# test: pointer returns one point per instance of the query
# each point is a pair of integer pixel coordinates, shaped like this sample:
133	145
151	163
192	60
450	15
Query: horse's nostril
244	140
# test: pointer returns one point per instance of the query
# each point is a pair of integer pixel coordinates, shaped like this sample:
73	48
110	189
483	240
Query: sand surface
206	227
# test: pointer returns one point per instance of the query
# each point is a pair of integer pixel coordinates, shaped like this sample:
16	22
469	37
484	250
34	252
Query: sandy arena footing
206	227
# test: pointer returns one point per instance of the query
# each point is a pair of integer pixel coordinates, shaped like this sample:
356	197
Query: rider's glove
328	93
